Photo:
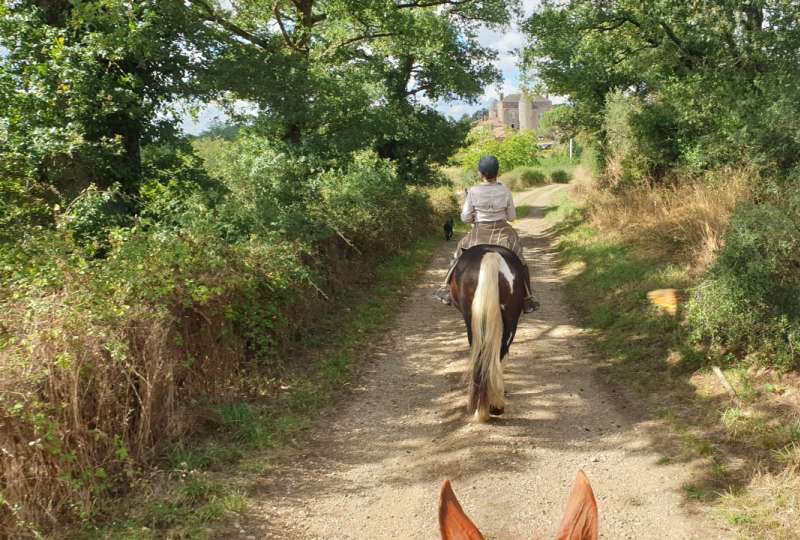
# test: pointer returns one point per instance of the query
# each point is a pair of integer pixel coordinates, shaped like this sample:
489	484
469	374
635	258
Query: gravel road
372	467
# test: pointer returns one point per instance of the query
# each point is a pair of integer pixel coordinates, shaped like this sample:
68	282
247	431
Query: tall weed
684	222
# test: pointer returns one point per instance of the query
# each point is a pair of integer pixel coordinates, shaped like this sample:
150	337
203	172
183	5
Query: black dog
448	229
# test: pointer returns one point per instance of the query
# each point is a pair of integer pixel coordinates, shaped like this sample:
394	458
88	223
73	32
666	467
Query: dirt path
372	468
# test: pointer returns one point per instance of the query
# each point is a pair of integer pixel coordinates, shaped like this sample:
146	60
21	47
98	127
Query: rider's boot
443	292
530	303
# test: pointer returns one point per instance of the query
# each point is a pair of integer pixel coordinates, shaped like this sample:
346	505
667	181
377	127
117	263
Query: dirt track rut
372	468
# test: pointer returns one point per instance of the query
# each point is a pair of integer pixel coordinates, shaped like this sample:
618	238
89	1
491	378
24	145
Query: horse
580	520
491	308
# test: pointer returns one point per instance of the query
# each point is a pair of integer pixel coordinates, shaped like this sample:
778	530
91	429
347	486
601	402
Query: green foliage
210	279
518	149
750	301
366	202
443	204
149	273
641	140
24	205
268	186
81	88
708	83
523	178
677	87
219	130
93	214
85	91
560	176
557	123
323	81
407	142
214	153
532	176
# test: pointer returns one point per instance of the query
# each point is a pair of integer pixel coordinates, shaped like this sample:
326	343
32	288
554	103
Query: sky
506	42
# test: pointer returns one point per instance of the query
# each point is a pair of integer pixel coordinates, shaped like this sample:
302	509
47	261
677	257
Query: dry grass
769	507
85	402
655	238
683	222
107	365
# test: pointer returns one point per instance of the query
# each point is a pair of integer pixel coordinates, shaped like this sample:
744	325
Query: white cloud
508	43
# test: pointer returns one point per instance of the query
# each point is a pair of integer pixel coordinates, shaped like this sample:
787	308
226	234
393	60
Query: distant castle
518	111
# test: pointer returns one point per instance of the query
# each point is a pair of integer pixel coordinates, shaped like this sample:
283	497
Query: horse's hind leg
509	331
497	404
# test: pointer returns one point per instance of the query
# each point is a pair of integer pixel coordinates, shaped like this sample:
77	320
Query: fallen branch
348	242
320	291
727	385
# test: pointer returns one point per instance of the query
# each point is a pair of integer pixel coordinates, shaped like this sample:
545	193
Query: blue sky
506	42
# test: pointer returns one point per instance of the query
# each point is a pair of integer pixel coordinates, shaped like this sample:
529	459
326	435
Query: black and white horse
487	288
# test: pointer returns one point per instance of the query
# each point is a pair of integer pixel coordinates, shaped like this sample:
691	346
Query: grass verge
744	461
185	497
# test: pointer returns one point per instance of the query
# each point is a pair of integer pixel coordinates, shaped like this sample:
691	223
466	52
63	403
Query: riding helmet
489	167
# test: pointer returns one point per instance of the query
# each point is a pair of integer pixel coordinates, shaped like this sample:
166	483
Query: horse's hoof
480	418
496	411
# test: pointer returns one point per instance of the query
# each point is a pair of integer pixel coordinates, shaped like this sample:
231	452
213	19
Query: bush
522	178
560	176
367	204
518	149
268	187
750	300
23	205
681	223
208	281
531	177
93	214
165	318
443	204
642	140
468	177
511	180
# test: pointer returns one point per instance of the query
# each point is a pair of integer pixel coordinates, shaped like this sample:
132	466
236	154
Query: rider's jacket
488	201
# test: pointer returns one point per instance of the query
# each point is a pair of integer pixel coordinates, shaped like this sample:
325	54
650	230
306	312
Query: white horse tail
486	372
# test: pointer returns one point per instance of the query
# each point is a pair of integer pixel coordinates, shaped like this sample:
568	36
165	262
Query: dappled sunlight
405	428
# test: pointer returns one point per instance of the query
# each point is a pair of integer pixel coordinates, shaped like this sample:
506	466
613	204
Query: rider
489	206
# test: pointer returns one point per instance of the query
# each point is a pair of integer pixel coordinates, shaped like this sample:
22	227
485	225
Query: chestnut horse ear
453	522
580	520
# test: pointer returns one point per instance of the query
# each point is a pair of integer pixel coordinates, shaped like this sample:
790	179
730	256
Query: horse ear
453	522
580	520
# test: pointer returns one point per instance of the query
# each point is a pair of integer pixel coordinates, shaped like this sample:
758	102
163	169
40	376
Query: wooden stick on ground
320	291
727	385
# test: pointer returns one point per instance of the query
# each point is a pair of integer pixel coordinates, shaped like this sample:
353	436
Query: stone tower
520	112
526	118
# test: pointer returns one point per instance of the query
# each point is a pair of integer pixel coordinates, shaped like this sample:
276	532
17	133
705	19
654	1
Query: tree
83	86
337	76
722	69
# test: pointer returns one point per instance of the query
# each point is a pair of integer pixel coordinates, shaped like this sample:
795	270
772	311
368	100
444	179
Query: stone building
519	111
